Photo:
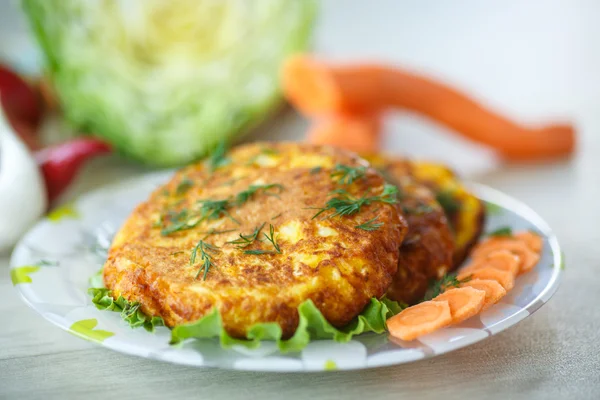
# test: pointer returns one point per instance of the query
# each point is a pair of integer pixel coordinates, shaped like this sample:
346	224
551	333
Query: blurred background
533	62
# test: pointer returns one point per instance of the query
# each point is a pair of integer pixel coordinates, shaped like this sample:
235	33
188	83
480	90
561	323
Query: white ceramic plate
52	264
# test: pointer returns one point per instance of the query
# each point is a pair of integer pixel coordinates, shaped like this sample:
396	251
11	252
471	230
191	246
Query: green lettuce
130	311
312	324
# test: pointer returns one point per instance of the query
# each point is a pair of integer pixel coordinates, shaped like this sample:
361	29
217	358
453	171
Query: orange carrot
358	133
464	302
505	278
531	239
528	258
500	259
493	290
316	88
420	319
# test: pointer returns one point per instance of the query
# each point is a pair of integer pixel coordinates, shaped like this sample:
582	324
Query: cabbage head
164	81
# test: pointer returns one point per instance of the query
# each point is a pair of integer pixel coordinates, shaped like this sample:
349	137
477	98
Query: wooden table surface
531	61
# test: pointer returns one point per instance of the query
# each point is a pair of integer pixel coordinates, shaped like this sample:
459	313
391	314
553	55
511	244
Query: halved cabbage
166	80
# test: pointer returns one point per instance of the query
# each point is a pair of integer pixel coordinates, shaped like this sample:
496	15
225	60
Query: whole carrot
316	88
358	132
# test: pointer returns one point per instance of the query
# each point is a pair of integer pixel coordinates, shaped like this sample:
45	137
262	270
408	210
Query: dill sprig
505	231
370	225
183	186
215	209
272	239
247	240
219	158
205	257
315	170
449	203
438	287
346	204
247	194
346	175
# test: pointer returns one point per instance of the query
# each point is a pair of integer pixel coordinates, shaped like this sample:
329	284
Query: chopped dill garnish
165	192
345	204
219	158
216	232
271	238
176	253
269	151
247	240
448	202
260	252
505	231
185	185
438	287
205	257
277	216
370	225
418	210
345	175
215	209
315	170
247	194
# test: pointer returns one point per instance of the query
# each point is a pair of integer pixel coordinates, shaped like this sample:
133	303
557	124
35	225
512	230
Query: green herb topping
219	158
448	202
505	231
315	170
345	175
247	240
345	204
273	189
438	287
370	225
205	257
184	186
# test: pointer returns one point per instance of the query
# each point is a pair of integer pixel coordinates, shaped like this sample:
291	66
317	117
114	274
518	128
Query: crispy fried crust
465	212
427	250
328	260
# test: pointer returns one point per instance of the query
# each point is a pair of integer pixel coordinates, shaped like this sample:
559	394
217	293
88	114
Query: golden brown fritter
427	250
181	253
465	212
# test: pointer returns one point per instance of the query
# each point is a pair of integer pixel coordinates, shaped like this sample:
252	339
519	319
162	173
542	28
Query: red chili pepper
21	103
60	163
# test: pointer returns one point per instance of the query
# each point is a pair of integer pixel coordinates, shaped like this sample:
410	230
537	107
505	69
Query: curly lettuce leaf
312	325
130	311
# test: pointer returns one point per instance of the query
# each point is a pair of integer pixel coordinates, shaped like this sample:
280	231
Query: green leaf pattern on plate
85	329
21	274
63	212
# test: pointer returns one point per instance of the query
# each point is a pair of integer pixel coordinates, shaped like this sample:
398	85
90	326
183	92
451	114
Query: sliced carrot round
528	258
464	302
493	291
500	259
420	319
504	278
531	239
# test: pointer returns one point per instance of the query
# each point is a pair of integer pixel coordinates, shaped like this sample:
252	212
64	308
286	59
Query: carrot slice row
495	264
464	302
420	319
493	291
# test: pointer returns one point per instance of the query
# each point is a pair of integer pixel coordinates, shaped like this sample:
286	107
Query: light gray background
529	59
